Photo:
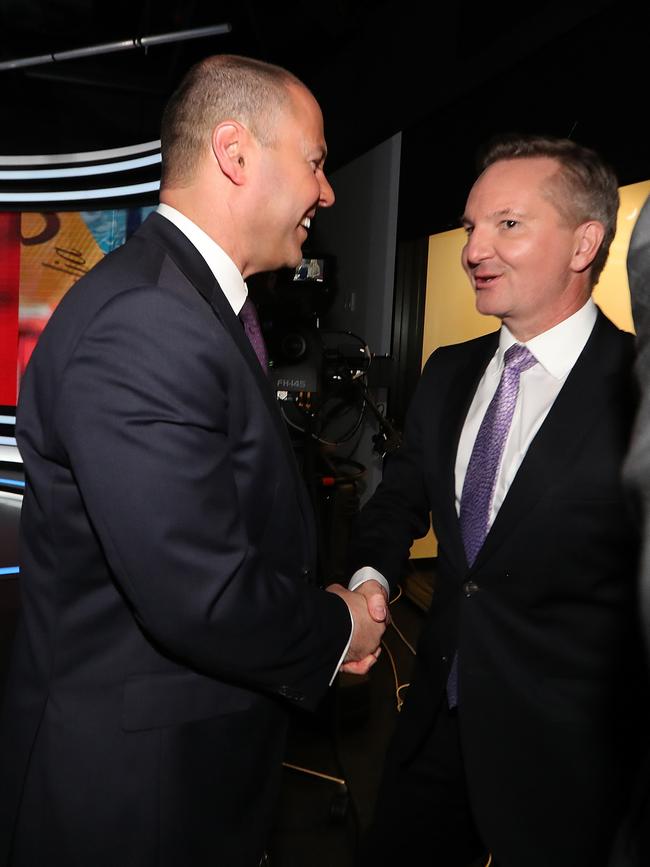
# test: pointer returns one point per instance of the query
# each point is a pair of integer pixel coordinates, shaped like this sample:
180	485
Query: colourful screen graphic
41	256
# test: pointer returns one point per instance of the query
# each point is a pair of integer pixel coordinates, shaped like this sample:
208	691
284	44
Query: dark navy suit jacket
167	612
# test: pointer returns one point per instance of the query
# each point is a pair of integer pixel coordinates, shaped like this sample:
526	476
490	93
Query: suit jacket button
470	588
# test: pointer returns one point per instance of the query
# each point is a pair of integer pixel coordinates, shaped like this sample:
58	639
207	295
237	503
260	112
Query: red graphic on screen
42	255
9	294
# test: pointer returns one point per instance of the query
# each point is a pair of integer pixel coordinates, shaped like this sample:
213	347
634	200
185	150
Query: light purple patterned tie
480	479
251	323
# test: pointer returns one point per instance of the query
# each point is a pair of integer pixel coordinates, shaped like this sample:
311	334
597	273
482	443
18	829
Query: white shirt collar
222	266
557	349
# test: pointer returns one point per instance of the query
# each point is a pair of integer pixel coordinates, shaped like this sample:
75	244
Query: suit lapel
197	271
187	258
583	398
454	412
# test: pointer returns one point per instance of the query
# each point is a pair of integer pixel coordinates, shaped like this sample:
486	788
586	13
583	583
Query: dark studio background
447	78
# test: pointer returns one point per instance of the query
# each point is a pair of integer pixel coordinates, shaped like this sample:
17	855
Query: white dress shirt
234	288
556	351
222	266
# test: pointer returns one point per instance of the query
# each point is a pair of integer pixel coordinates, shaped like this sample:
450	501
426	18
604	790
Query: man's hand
369	609
376	599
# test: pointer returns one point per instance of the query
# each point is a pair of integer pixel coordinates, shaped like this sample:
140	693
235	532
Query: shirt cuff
347	647
367	573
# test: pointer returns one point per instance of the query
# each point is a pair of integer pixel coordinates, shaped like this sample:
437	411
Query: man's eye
509	224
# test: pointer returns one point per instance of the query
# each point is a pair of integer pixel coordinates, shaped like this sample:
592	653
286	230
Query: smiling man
170	614
521	724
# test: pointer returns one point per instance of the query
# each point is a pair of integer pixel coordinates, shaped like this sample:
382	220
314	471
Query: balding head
220	88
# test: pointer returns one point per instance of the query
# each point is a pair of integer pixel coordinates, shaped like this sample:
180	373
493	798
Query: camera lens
294	346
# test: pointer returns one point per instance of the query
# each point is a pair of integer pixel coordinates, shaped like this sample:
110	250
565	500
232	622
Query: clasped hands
368	604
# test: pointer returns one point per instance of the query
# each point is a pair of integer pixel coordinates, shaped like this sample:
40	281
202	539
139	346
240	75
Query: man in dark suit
633	843
518	729
170	616
637	464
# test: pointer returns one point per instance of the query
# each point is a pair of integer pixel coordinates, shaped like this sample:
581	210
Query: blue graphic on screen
111	228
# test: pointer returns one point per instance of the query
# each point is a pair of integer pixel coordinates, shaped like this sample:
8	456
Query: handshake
368	605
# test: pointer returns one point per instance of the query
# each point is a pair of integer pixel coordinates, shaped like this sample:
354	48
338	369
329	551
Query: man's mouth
482	281
305	223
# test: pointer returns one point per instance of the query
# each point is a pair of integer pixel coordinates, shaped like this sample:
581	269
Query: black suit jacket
167	546
544	621
633	845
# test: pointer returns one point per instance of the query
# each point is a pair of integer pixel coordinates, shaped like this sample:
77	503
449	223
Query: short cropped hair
585	188
219	88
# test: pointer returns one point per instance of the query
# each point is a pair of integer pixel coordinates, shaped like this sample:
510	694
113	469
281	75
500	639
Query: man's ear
229	140
589	237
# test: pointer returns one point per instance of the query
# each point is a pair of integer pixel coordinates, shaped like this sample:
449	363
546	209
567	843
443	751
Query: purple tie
480	479
248	316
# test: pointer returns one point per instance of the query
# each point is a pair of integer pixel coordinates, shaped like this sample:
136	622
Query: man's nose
478	247
327	196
